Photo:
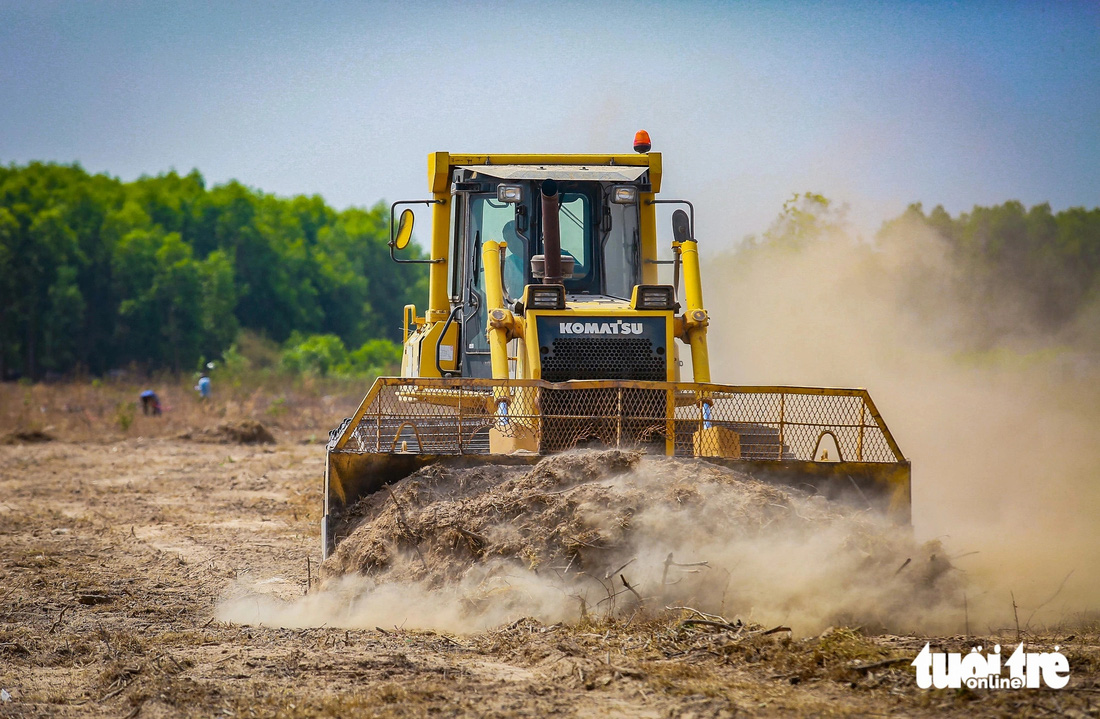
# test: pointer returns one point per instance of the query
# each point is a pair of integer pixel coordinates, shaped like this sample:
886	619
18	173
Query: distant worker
203	387
150	403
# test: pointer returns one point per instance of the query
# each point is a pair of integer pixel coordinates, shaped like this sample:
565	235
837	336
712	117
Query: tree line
1013	271
164	271
1023	270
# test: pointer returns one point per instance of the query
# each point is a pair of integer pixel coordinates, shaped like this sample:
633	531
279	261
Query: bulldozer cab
598	234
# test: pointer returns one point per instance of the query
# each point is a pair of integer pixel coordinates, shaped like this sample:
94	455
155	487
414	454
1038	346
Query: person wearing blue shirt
150	403
203	387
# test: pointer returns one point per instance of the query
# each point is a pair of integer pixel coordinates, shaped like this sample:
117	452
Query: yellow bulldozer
547	330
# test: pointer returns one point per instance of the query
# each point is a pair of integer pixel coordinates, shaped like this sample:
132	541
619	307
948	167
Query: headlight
545	297
653	297
624	194
510	193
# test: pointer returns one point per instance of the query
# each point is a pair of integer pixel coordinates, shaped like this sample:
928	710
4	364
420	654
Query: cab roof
599	173
597	167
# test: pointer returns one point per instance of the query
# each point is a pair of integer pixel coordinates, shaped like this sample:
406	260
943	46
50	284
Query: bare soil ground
113	556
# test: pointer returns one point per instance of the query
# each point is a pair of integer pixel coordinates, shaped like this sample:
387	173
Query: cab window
621	251
458	222
493	220
574	225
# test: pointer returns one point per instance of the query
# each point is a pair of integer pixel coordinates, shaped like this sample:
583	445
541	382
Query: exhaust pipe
551	234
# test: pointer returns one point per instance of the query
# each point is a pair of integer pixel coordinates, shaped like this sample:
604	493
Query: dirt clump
26	436
245	431
454	517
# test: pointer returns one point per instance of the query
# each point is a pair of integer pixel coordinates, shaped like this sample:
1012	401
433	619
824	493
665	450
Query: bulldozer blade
827	441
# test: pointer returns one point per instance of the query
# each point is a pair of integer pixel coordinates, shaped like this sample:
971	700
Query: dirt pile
610	531
245	431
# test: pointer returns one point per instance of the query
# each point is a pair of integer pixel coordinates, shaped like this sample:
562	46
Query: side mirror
404	230
681	226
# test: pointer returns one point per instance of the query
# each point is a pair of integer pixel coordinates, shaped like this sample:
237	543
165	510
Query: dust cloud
1002	427
611	533
485	599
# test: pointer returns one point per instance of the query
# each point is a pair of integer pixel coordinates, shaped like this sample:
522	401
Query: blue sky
872	104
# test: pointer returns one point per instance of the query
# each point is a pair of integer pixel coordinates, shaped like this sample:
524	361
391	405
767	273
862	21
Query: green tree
316	354
9	291
48	303
806	218
219	298
375	357
162	317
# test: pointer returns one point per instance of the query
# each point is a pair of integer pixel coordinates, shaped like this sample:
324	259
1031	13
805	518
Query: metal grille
455	416
573	358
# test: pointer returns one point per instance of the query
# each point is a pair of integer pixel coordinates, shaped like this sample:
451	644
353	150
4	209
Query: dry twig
627	585
60	616
710	623
407	528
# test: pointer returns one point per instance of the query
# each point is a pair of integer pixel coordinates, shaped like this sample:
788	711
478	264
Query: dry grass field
121	534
